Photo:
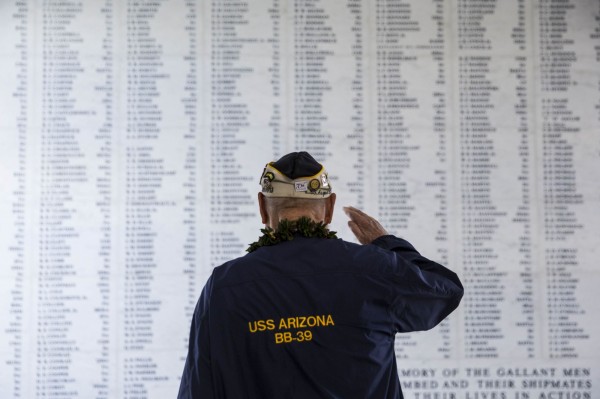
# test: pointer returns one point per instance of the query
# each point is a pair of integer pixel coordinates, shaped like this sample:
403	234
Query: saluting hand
365	228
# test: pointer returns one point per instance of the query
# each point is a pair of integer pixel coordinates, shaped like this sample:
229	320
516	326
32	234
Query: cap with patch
296	174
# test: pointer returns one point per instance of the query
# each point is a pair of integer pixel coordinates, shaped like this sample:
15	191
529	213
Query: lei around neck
286	230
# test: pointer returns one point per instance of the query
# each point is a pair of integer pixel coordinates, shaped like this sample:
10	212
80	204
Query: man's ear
262	206
329	205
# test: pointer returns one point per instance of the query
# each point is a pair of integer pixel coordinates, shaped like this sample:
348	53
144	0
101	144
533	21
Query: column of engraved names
496	173
438	183
522	215
412	150
190	183
53	316
329	89
313	38
393	19
483	282
275	70
229	120
145	174
244	53
355	138
104	177
560	130
13	205
73	291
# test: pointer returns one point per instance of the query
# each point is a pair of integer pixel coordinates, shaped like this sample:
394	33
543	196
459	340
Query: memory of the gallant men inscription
133	133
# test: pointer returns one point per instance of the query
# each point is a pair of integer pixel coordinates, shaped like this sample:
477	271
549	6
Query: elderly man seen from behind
308	315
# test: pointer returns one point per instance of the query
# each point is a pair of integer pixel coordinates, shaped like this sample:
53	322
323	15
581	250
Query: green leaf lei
286	230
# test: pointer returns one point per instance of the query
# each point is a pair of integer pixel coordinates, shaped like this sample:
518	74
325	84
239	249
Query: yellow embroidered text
284	324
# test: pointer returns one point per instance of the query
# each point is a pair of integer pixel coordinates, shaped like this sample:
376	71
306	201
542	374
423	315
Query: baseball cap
296	174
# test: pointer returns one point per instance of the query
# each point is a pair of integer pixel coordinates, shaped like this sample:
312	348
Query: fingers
364	227
353	212
358	221
357	232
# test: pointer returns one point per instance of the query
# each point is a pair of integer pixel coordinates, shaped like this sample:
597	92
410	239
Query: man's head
296	185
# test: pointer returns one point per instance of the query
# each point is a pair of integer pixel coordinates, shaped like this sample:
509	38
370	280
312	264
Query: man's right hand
365	228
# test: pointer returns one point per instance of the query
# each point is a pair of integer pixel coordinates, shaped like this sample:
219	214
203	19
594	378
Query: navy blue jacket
313	318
